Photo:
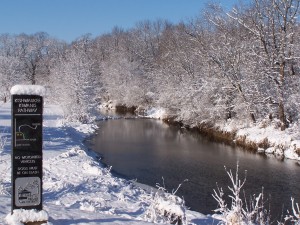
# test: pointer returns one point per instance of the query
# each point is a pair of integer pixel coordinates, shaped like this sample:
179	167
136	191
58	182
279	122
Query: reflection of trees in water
146	150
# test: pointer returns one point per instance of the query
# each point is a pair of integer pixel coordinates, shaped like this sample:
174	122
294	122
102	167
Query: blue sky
69	19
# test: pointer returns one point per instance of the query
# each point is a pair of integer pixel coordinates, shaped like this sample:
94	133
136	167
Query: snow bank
265	133
155	113
280	143
21	216
28	90
267	137
77	189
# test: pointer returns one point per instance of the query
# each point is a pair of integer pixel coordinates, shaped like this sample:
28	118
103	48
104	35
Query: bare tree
224	45
33	52
273	23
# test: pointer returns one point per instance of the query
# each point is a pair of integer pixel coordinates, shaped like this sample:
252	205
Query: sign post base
36	223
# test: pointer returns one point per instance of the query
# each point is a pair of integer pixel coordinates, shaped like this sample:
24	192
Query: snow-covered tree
73	81
33	51
9	75
273	24
11	71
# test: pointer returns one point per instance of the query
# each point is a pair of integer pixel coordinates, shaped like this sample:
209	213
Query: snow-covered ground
77	189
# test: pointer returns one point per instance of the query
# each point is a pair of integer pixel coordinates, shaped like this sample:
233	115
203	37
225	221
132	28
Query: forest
240	65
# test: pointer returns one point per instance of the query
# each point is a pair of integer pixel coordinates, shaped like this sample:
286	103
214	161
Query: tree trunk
281	113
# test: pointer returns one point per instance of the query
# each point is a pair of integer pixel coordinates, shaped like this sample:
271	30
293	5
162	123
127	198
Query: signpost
27	157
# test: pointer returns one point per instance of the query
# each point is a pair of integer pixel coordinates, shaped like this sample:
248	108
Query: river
152	152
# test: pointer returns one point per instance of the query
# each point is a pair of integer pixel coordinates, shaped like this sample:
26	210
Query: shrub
240	211
166	207
294	218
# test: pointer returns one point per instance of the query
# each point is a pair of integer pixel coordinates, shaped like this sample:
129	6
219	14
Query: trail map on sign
25	135
28	131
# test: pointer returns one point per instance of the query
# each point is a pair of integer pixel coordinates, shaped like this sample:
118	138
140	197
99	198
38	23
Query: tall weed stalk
239	211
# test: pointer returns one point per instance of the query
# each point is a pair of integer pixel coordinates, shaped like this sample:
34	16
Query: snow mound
91	169
21	216
85	206
28	90
73	152
155	113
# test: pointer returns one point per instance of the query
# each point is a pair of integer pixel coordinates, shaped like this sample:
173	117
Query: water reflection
148	150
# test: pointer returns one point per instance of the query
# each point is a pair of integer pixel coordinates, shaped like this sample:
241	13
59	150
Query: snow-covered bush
240	212
166	207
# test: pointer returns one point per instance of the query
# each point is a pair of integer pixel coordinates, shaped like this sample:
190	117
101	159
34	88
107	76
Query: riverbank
264	137
77	188
153	152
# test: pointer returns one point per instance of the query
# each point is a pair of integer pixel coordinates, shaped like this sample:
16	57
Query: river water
152	152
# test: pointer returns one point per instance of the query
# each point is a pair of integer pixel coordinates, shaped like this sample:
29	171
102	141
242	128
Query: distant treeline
242	64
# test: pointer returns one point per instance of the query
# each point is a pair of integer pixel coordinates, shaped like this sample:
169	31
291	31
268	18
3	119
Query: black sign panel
27	125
